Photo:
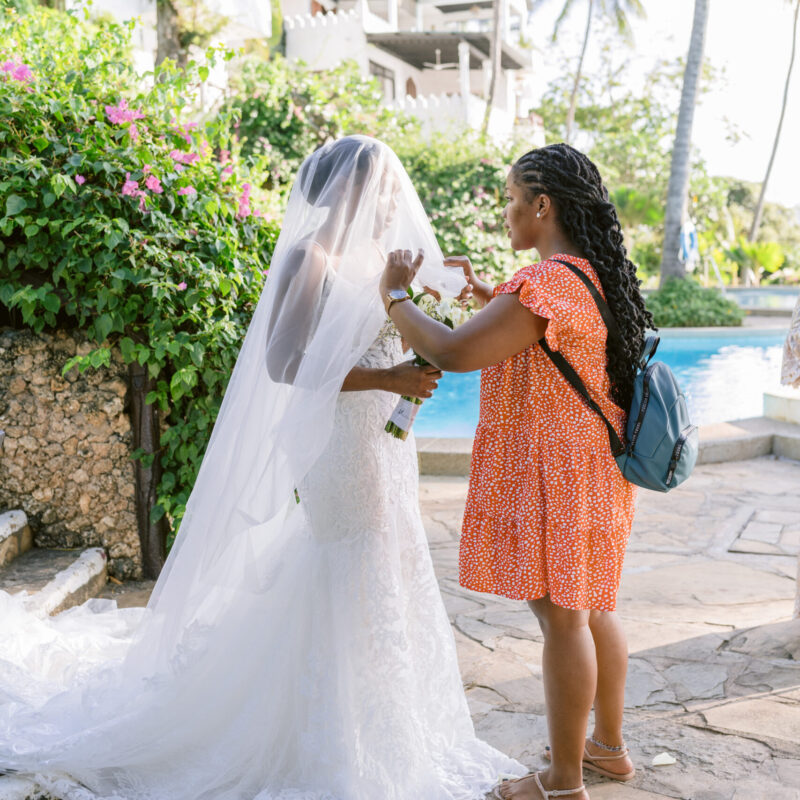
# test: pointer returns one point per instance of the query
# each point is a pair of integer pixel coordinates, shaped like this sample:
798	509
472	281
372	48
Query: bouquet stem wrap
449	312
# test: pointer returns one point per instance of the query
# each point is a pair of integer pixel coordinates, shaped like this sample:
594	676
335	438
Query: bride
292	649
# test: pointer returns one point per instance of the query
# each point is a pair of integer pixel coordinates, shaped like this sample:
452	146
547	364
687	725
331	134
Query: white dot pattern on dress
548	511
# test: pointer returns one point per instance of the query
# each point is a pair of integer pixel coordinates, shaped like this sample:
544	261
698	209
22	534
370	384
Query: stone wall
66	456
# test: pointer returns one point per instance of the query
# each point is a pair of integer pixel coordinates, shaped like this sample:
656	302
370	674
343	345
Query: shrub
461	182
682	302
286	111
123	220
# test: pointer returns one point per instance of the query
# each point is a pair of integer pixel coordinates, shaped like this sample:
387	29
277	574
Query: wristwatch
394	296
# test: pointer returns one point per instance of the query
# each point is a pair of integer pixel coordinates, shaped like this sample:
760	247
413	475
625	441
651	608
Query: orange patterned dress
548	511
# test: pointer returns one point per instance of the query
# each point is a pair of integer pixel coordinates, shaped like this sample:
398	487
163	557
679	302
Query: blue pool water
723	374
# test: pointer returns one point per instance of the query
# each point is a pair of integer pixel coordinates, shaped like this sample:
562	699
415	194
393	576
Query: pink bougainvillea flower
187	190
184	158
22	73
479	223
80	180
182	285
154	184
130	188
142	200
224	156
227	170
244	202
133	131
17	70
147	169
122	113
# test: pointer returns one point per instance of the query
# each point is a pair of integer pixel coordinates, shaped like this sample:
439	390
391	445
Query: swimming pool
723	373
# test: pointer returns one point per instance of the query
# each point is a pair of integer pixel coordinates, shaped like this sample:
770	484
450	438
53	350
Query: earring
538	214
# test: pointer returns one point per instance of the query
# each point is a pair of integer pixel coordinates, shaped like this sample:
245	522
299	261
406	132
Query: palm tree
168	33
496	55
760	204
617	10
681	150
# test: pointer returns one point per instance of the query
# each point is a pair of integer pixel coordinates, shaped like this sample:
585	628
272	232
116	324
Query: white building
430	56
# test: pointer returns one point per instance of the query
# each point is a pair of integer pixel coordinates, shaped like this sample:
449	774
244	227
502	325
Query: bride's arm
405	378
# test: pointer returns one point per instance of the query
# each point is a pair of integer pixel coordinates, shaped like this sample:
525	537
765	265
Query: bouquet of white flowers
452	313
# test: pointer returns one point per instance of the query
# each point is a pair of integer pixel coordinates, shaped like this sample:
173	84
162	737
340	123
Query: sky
752	42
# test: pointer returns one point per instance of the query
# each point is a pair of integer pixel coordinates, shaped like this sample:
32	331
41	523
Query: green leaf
52	302
203	73
15	204
41	144
100	358
102	326
48	199
128	348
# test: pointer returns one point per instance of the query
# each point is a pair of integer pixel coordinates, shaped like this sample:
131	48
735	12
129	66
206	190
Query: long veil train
245	677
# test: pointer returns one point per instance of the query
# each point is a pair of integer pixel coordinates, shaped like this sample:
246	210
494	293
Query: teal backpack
661	447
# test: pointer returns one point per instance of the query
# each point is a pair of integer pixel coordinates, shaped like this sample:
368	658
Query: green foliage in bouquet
123	219
684	303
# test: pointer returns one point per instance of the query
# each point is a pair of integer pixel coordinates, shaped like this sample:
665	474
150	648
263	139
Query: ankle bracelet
612	748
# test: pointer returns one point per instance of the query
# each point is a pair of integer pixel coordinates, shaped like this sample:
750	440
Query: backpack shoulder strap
572	377
602	306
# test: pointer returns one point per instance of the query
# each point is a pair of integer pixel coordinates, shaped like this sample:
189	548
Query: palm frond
567	7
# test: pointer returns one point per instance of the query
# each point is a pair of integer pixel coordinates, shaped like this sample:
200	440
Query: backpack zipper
642	408
676	452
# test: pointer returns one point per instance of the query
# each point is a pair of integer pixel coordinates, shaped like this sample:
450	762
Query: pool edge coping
737	440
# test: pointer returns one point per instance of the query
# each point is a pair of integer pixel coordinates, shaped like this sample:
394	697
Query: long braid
590	220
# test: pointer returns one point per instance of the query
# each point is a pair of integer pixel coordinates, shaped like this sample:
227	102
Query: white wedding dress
339	679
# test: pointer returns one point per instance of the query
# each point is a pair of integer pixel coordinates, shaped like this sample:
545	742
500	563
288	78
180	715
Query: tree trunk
496	52
677	191
145	424
760	205
169	45
573	100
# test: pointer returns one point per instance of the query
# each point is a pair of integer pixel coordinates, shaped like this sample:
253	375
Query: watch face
397	294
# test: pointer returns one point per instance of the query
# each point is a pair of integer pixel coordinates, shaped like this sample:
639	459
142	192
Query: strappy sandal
590	763
546	794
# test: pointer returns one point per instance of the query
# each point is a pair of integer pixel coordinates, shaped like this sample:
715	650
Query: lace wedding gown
338	681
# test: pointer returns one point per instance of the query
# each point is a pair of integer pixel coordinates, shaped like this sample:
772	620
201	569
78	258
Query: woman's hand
480	290
400	270
409	379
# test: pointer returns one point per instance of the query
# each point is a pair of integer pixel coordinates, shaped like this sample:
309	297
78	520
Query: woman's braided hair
590	220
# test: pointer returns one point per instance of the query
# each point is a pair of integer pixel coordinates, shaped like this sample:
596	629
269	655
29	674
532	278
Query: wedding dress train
339	681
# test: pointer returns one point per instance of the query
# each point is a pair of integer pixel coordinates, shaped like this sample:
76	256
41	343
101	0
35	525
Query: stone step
56	579
15	536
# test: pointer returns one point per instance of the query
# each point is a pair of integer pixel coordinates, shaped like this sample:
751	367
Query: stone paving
706	600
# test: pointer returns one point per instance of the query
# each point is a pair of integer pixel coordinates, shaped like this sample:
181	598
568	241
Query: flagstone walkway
706	600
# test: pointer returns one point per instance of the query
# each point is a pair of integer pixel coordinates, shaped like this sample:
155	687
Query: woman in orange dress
549	513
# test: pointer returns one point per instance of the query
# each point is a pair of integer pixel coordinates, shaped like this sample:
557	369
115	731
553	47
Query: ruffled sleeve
549	290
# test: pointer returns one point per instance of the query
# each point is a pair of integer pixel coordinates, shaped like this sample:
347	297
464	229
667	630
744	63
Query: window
385	79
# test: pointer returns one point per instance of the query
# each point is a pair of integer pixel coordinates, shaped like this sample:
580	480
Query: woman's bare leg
611	648
569	668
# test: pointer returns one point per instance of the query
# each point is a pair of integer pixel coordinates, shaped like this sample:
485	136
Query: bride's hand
400	270
408	379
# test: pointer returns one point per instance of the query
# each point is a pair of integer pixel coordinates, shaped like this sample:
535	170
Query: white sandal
546	794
